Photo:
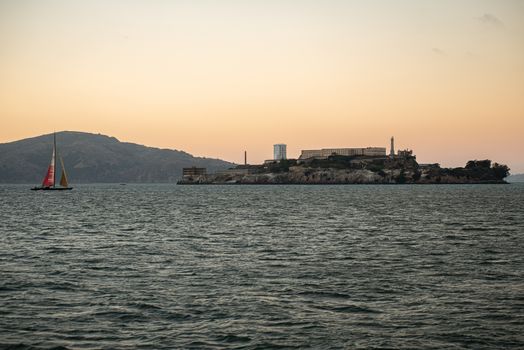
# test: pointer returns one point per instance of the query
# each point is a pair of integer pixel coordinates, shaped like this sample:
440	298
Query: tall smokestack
245	157
392	151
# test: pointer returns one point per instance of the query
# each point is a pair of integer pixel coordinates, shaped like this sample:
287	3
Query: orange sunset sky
215	78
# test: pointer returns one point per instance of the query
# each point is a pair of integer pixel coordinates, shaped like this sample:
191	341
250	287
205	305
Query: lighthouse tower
392	151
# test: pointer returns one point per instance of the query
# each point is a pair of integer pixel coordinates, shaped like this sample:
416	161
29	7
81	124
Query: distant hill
515	178
96	158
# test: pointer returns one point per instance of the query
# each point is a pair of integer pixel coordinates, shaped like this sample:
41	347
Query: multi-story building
279	151
349	152
193	171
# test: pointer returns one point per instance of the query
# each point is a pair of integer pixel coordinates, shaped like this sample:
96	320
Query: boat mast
54	151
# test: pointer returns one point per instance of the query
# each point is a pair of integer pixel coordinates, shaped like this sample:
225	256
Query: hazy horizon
174	149
214	79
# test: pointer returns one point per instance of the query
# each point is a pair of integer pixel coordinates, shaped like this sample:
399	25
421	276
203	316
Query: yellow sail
63	178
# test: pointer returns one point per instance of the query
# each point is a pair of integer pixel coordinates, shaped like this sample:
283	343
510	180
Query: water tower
279	151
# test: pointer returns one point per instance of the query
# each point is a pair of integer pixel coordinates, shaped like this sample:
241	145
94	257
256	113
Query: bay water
262	267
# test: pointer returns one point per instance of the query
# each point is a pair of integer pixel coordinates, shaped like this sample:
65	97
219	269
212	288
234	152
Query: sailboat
49	180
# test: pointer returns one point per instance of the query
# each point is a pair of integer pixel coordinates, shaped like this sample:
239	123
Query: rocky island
337	169
368	165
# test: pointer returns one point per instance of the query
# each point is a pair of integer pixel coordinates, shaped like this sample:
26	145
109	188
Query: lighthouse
392	151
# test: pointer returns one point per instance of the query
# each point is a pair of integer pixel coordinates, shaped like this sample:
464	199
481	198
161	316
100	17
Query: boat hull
51	188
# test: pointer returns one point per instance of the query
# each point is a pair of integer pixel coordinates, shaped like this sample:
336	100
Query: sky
215	78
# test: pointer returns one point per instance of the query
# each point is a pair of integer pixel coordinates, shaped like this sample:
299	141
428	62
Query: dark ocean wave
21	346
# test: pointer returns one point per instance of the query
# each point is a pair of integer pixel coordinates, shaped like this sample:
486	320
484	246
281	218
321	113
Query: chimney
392	151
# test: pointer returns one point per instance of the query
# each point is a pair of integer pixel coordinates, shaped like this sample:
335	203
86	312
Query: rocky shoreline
340	170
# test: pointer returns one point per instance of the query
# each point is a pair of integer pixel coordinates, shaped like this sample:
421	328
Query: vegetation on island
478	171
338	169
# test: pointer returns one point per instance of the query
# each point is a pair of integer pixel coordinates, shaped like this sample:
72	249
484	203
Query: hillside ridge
92	157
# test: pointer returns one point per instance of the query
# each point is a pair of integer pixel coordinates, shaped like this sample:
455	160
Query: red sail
49	179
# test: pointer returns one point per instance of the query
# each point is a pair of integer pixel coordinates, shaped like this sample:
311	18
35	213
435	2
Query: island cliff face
355	170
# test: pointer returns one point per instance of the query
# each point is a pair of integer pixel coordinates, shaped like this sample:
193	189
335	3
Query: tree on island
501	171
484	169
472	164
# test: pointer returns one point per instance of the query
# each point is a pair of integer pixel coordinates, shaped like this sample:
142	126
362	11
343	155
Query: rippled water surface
257	267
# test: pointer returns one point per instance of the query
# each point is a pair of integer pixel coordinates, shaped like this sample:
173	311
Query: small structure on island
193	171
279	151
407	153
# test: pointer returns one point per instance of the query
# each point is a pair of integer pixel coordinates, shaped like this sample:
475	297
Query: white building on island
279	151
348	152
